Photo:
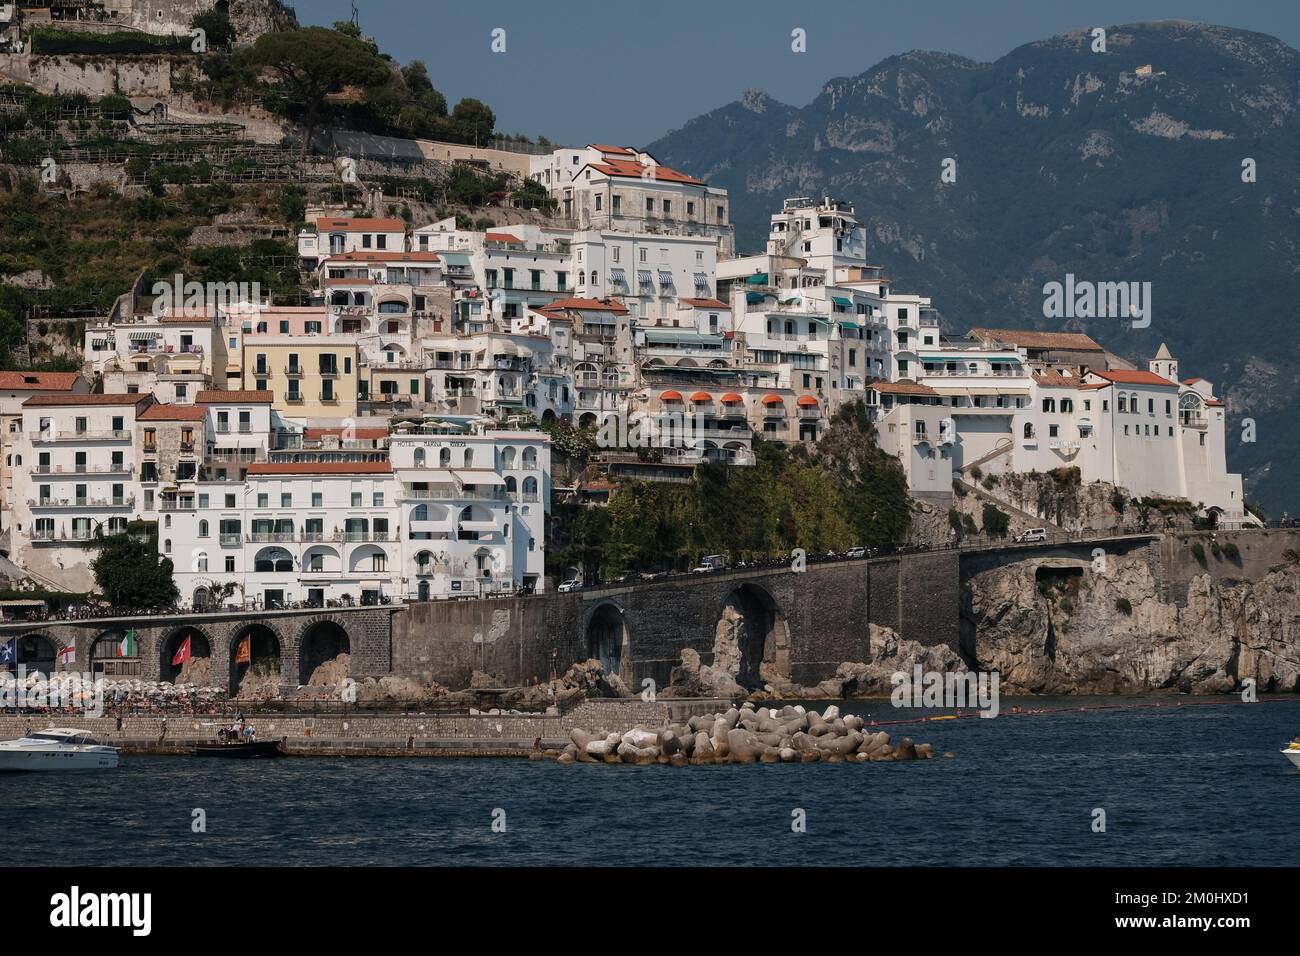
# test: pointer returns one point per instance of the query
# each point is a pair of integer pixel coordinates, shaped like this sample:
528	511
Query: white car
856	553
569	586
1032	534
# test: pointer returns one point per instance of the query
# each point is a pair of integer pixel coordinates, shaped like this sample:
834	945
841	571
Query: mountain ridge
1067	161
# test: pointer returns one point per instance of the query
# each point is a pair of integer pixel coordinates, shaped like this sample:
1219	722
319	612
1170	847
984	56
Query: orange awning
807	401
701	397
731	398
670	396
772	400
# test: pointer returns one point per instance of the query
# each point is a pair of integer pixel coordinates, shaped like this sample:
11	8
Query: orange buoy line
1016	711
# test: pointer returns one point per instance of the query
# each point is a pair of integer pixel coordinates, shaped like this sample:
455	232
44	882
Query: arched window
203	528
201	562
444	457
469	457
1133	402
167	546
530	459
508	458
510	484
530	485
1029	429
420	513
1123	402
419	458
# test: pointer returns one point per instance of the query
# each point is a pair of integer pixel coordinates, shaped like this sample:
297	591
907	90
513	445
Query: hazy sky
627	71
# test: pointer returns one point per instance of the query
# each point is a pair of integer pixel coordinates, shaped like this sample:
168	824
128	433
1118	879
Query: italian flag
126	646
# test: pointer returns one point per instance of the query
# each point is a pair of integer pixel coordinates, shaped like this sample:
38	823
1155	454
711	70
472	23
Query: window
203	529
379	562
317	499
1029	429
230	564
230	501
377	500
1052	431
286	499
203	501
356	499
263	500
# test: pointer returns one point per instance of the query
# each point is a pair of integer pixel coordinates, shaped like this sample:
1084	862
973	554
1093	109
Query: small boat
1292	752
241	750
56	748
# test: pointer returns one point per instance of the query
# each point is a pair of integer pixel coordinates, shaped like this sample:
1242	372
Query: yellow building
312	376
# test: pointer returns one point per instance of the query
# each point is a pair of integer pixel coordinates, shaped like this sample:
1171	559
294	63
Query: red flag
183	654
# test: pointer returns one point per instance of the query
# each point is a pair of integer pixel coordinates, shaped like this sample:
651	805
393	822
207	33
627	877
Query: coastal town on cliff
925	424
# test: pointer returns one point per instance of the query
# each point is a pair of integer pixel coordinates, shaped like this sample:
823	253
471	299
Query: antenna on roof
356	17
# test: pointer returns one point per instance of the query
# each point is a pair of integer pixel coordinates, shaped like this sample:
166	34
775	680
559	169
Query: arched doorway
194	665
751	640
255	651
322	643
36	652
116	654
608	639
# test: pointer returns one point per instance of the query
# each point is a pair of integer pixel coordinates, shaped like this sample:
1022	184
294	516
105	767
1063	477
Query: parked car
858	552
703	569
628	577
1032	534
567	586
713	562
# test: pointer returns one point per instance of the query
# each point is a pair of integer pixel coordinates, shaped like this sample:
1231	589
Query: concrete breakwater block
743	736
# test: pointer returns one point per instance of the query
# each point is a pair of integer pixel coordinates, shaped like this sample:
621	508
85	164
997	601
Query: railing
229	540
125	501
74	469
112	435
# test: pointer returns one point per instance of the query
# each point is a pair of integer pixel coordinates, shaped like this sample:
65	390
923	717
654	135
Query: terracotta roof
1090	386
1055	379
116	398
1192	381
1125	376
620	150
630	169
172	413
361	225
320	468
38	381
383	257
1032	339
706	303
1214	403
502	237
904	386
590	305
363	433
218	396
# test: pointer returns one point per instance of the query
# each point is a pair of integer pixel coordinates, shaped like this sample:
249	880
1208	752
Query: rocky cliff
1081	630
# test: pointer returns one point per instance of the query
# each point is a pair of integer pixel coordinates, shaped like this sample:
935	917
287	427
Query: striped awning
138	336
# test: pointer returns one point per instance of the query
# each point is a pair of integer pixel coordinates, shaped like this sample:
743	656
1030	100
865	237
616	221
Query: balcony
50	436
329	399
117	468
118	501
231	540
293	371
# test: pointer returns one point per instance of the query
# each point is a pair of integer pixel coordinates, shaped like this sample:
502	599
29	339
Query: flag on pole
183	653
9	651
68	655
126	647
244	653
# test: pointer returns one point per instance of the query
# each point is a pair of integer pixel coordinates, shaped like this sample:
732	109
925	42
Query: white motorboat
1292	753
56	748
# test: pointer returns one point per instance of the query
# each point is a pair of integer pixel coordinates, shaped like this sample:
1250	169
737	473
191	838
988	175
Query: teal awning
840	300
454	258
757	279
753	298
792	301
846	324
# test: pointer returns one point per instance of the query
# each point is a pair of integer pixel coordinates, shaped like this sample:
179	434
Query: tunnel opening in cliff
749	632
607	637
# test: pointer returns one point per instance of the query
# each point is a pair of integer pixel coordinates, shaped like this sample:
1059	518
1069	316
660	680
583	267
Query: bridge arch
171	645
751	635
323	640
608	638
37	652
264	651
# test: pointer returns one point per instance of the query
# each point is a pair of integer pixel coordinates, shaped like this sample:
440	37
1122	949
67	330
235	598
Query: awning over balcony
671	395
731	398
139	336
807	401
485	526
471	476
759	278
841	301
701	397
684	338
773	400
454	258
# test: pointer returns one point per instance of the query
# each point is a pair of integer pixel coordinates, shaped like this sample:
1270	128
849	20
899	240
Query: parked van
1032	534
711	562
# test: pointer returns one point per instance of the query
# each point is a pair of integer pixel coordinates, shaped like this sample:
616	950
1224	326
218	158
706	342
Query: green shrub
1066	604
996	522
1232	552
977	473
1124	605
1198	551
